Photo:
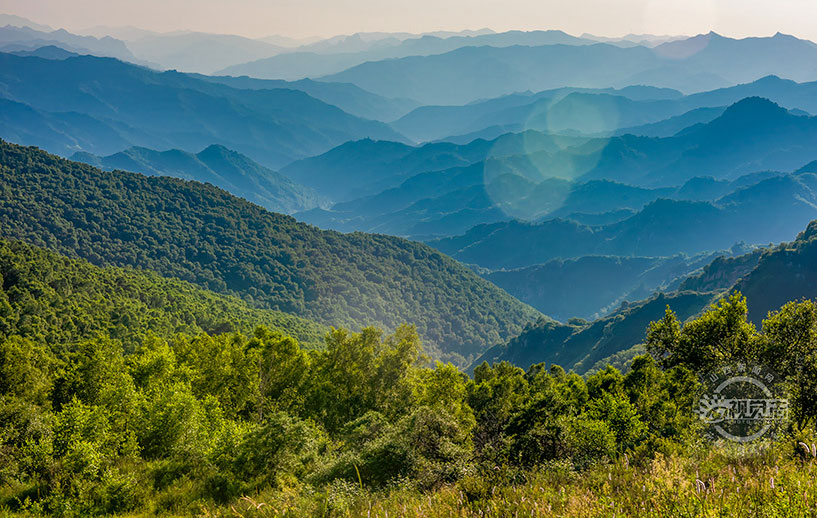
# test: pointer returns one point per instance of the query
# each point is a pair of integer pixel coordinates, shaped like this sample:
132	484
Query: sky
304	18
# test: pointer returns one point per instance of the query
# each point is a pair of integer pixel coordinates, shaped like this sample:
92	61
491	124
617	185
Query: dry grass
723	481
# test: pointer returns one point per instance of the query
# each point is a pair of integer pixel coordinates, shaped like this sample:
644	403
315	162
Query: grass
771	480
720	481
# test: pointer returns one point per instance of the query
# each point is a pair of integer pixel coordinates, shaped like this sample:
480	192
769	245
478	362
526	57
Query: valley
471	272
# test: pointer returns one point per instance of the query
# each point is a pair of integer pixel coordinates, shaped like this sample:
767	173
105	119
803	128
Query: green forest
203	235
492	269
153	366
188	411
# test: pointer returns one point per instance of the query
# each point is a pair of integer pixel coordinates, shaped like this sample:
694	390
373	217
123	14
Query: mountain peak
216	149
754	109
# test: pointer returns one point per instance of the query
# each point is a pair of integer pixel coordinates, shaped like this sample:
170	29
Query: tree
722	334
283	369
789	345
496	393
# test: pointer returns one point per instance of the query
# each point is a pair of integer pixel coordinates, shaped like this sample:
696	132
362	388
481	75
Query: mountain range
590	287
768	211
320	59
768	278
201	234
547	174
102	106
444	189
697	64
26	38
641	110
219	166
199	52
348	97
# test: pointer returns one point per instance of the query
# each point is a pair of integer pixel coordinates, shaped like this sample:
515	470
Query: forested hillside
579	345
768	278
783	273
203	235
60	301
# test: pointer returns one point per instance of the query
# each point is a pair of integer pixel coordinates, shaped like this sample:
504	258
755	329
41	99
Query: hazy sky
301	18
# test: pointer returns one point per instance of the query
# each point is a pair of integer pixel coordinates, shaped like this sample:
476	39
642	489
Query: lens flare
528	175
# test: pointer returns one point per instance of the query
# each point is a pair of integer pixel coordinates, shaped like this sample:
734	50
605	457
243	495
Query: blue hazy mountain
697	64
628	110
219	166
367	167
771	210
785	92
348	97
516	112
200	52
316	60
591	286
450	202
673	125
27	38
47	52
118	105
19	21
443	189
752	135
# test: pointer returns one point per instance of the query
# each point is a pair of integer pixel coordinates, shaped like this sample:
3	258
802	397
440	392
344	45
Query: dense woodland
198	233
123	392
126	416
172	343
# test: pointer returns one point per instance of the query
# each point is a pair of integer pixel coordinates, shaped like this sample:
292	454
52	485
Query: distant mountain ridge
590	287
348	97
102	106
697	64
637	110
768	211
314	60
219	166
768	278
443	189
31	39
199	52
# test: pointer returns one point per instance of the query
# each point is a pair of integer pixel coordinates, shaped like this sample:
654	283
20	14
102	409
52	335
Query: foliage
56	300
154	421
201	234
580	345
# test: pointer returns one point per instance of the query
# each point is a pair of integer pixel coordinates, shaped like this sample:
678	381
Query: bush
590	441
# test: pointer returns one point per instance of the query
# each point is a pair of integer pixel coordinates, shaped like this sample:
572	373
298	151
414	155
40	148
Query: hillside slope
768	278
59	300
202	234
219	166
786	272
579	345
